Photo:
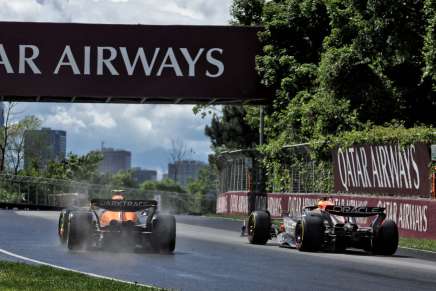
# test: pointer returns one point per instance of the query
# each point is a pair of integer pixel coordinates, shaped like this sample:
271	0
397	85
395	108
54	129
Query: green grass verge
232	216
422	244
18	276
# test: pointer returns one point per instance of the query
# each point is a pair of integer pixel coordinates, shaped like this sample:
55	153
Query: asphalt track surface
210	255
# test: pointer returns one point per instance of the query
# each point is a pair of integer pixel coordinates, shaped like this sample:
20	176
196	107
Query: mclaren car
117	223
328	227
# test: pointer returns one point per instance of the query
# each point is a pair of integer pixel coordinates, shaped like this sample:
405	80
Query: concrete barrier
414	217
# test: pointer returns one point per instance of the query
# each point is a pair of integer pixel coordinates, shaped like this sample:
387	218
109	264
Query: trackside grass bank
18	276
421	244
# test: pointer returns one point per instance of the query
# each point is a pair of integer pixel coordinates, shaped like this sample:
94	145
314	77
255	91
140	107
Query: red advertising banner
383	169
129	63
414	217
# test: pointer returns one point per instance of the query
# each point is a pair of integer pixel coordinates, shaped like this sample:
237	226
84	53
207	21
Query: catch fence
296	172
24	191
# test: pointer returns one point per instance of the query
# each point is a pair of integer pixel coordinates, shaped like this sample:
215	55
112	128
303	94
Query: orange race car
117	222
107	216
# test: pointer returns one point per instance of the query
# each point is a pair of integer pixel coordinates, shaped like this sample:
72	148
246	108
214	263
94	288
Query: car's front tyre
78	230
259	227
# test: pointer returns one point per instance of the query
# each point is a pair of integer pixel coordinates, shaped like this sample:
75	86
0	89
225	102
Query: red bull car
117	223
328	227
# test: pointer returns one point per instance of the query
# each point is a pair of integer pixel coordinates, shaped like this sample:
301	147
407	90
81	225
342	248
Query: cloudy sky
146	130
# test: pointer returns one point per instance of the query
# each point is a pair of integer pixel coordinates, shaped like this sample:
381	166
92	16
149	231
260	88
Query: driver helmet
324	202
118	194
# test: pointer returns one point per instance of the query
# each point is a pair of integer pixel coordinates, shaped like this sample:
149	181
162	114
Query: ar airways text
116	61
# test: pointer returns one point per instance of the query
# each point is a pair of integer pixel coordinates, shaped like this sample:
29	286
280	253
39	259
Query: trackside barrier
21	206
414	217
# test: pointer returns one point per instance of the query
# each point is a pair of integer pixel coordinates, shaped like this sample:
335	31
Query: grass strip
421	244
19	276
230	216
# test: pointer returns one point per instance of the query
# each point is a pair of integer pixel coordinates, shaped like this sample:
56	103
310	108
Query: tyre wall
414	217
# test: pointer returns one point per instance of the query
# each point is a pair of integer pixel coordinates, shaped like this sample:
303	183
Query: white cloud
118	11
146	130
143	129
62	119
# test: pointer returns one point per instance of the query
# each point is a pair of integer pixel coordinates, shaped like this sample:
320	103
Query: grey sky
146	130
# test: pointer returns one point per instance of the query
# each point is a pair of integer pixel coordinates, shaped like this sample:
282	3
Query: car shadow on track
351	252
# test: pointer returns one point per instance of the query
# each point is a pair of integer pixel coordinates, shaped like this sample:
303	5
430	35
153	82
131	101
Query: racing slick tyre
259	227
385	241
163	238
78	230
309	233
63	225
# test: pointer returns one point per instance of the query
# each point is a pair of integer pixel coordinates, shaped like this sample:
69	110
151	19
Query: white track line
5	252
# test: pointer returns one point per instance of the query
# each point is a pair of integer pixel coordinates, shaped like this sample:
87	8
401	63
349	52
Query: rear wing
352	211
123	205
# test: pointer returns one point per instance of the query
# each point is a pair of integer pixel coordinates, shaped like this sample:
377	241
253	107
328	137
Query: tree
203	191
15	146
74	167
231	130
338	66
166	185
374	59
8	114
123	179
247	12
177	153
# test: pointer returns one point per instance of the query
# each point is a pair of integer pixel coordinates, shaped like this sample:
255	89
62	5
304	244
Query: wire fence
295	172
239	171
45	192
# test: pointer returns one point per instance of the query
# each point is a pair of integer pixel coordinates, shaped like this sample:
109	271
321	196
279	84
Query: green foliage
395	133
9	196
123	179
343	72
164	185
74	167
203	191
365	57
430	41
247	12
231	130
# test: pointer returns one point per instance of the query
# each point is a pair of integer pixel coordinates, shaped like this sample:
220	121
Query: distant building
140	175
185	170
164	176
44	145
115	160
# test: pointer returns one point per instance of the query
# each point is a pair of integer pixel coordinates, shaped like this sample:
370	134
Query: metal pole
261	177
261	126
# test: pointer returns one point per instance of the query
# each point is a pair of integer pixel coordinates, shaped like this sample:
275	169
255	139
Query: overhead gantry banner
64	62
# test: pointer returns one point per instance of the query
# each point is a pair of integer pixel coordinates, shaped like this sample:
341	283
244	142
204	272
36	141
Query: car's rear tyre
385	241
163	238
309	233
78	230
63	225
259	227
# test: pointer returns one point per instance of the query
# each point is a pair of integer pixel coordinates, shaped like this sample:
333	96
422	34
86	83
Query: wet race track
210	255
